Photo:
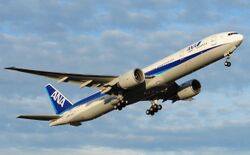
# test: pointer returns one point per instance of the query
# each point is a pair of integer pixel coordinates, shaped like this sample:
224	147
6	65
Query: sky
111	37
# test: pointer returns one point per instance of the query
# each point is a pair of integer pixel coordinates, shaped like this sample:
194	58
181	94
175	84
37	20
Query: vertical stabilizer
58	100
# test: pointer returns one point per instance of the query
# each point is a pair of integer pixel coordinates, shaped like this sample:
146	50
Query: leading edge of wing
43	73
68	77
39	117
56	74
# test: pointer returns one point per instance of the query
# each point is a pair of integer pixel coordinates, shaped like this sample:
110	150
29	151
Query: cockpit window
232	33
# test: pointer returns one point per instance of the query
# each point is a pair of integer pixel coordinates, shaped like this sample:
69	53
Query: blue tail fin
58	100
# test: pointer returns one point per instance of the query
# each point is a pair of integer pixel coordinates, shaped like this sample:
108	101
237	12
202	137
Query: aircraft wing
39	117
96	81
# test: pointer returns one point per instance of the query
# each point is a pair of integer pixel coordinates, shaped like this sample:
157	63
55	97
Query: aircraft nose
240	39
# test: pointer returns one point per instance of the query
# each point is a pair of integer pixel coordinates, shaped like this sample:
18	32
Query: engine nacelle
131	79
188	90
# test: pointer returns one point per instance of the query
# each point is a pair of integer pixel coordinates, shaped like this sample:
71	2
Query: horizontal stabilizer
39	117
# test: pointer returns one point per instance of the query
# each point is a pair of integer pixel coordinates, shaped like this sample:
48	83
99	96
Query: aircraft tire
159	107
119	108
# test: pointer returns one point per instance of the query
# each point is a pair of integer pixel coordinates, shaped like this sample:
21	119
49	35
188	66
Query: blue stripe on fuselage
86	100
166	67
89	98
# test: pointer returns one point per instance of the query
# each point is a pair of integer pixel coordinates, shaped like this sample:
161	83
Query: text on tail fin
58	100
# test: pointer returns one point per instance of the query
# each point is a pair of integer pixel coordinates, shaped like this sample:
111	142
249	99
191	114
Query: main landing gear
227	63
120	105
154	108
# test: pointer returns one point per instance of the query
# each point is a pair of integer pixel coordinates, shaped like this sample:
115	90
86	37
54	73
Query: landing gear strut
154	108
227	63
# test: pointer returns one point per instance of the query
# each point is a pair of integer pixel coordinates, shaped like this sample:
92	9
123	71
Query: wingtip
10	68
19	116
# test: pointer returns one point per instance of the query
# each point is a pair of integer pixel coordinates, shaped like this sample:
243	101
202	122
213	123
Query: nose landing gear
227	63
154	108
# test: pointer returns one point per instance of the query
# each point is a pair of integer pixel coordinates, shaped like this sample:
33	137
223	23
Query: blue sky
111	37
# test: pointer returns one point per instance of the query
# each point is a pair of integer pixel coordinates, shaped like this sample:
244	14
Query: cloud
200	124
95	150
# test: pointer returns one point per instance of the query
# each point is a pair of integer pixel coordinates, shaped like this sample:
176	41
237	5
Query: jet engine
131	79
188	90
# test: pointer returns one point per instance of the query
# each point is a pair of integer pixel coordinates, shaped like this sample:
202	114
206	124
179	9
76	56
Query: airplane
153	83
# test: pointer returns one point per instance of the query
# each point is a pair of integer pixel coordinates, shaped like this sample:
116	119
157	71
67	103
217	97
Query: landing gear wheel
119	108
227	64
159	107
155	106
151	109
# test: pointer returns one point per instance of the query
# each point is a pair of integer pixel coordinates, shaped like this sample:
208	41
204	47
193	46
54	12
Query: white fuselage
167	70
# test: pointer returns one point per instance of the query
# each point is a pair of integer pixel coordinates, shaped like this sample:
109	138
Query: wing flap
39	117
